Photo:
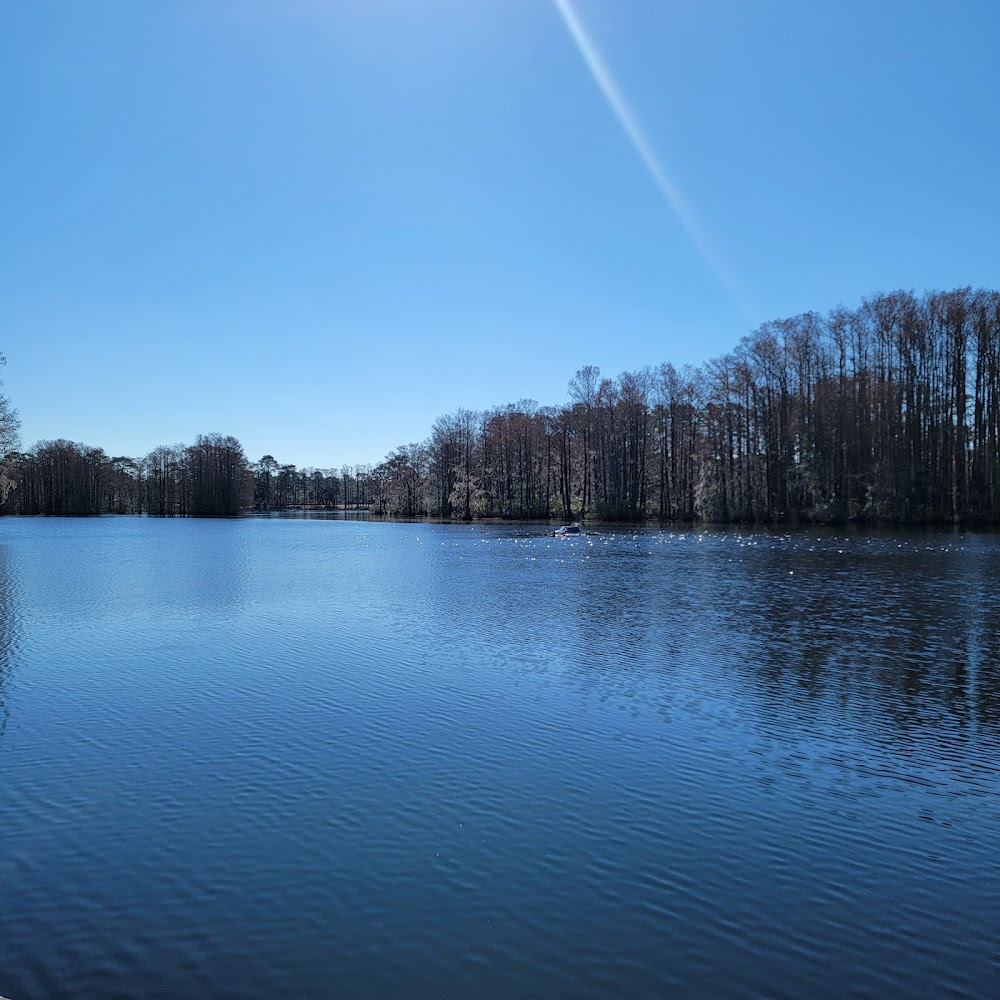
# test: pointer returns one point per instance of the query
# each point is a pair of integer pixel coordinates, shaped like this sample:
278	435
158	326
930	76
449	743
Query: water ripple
321	757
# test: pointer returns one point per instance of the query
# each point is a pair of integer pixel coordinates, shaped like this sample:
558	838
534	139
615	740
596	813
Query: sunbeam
627	120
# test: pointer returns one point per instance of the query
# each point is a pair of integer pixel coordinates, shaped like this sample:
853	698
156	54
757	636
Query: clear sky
319	224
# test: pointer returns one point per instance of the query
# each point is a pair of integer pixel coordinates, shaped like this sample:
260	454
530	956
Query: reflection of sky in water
725	762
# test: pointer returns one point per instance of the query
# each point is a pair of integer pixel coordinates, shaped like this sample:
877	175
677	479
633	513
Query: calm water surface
316	758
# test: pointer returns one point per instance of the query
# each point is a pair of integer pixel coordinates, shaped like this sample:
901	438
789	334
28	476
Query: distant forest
887	413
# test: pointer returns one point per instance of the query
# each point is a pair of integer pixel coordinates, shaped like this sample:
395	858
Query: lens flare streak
630	125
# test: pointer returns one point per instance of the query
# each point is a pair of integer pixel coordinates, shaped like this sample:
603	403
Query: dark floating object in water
567	529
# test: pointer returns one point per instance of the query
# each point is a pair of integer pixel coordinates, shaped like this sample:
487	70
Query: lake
304	757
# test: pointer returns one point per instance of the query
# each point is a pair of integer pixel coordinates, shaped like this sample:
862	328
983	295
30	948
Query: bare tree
9	441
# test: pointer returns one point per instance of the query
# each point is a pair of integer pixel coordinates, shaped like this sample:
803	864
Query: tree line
884	413
889	412
208	478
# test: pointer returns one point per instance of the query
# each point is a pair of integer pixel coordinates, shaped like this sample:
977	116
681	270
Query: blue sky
320	225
